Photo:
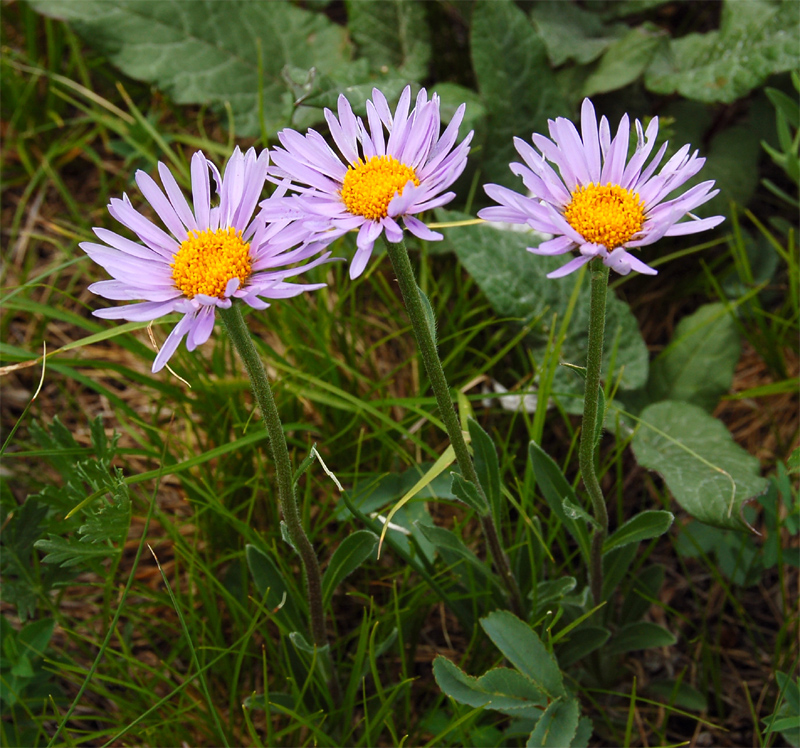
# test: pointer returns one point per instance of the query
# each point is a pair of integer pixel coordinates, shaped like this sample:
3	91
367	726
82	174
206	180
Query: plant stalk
240	335
586	453
401	263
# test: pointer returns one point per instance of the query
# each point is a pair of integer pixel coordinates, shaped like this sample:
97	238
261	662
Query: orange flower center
369	187
208	259
605	214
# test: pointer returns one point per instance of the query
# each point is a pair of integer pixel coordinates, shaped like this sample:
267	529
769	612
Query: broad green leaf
639	635
755	39
548	591
515	82
208	53
622	8
487	466
351	553
697	366
393	34
501	689
36	636
709	475
557	726
644	526
524	650
515	284
625	60
572	33
468	493
585	728
451	97
267	576
583	641
555	489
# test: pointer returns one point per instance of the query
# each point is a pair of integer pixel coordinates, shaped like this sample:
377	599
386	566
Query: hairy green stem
597	323
240	335
433	365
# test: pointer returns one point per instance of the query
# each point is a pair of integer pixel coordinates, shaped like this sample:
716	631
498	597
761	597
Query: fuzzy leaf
697	366
557	726
392	33
501	689
756	39
468	493
208	52
709	475
644	526
524	650
487	466
515	82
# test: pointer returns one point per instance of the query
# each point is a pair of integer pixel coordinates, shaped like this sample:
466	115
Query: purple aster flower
602	204
379	177
210	255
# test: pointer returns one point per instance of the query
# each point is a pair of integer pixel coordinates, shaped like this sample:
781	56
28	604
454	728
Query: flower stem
597	323
240	335
401	263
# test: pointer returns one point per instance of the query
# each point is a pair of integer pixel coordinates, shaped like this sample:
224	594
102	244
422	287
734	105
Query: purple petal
172	342
570	267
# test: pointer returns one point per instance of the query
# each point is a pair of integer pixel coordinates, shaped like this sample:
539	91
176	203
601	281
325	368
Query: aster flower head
396	165
600	202
211	255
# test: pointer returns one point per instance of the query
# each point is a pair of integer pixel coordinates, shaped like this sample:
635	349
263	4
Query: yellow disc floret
605	214
370	186
208	259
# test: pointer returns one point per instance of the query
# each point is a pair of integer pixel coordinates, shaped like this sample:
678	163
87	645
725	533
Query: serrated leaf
487	466
208	52
392	33
500	689
697	366
709	475
557	726
624	60
639	635
110	522
515	284
572	33
755	39
468	493
524	650
515	82
555	489
644	526
351	553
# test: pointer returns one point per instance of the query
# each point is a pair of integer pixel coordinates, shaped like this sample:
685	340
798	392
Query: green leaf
644	526
555	488
576	512
557	726
36	636
267	576
430	317
453	550
453	96
71	552
639	635
644	589
697	366
515	82
487	466
572	33
625	60
515	284
709	475
583	641
501	689
678	693
392	33
616	564
524	650
468	493
111	521
351	553
208	52
602	406
755	39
